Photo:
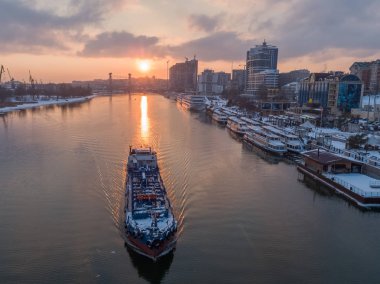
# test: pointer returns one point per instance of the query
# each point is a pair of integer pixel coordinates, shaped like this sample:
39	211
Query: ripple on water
243	217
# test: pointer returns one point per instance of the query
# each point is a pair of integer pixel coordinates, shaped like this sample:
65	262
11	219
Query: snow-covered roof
307	124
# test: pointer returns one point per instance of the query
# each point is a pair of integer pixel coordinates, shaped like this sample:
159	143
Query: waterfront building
290	90
260	59
333	91
345	93
369	74
314	89
213	83
343	175
183	76
369	108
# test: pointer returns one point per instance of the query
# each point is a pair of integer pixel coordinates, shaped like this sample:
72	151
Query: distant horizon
63	41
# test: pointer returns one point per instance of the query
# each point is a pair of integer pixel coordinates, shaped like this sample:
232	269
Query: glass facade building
349	93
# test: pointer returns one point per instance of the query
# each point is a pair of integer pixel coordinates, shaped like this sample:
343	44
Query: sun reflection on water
144	119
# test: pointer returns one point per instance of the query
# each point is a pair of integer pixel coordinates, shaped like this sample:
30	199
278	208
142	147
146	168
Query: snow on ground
45	103
338	145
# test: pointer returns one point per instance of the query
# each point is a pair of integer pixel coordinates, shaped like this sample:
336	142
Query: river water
244	217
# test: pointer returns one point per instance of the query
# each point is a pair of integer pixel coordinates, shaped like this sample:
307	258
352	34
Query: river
244	217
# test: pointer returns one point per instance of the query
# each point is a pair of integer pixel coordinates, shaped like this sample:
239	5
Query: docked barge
150	225
343	175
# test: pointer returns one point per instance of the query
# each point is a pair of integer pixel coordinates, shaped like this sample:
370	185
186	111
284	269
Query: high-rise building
183	76
213	83
260	58
267	78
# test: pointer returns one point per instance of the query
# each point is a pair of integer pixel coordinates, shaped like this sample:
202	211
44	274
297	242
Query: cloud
39	26
309	27
121	44
300	28
216	46
203	22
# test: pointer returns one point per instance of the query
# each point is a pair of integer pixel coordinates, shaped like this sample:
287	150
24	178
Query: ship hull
153	253
150	225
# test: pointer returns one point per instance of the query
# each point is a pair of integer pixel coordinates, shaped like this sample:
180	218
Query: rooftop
323	157
358	183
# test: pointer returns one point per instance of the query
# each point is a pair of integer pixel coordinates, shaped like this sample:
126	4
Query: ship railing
355	155
354	188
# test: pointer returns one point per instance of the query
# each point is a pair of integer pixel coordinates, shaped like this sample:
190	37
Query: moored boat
236	125
292	142
150	224
194	102
264	140
219	117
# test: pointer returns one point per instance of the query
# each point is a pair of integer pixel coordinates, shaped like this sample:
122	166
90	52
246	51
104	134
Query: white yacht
194	102
292	142
219	117
236	125
265	140
179	98
250	122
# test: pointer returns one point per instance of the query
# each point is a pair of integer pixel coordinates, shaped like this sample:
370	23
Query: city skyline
86	39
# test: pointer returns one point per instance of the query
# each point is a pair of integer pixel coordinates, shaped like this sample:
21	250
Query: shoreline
25	106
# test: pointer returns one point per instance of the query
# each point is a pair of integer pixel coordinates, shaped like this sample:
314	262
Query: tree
356	141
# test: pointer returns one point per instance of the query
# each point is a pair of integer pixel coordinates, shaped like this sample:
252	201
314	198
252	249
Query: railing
353	188
374	183
354	155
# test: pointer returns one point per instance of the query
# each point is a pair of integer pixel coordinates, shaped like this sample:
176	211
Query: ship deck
148	191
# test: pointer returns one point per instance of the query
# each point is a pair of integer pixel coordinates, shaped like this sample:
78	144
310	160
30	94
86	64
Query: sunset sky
65	40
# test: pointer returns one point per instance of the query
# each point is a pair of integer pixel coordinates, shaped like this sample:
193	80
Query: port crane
11	79
1	71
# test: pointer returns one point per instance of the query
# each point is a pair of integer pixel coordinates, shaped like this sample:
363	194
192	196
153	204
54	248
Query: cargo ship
150	225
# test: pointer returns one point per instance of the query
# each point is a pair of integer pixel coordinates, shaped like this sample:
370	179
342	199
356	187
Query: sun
144	65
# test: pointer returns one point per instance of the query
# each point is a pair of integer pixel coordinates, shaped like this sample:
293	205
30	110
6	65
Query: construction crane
11	79
1	71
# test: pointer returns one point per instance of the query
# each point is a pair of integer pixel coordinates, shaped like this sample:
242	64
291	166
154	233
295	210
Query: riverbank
39	103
